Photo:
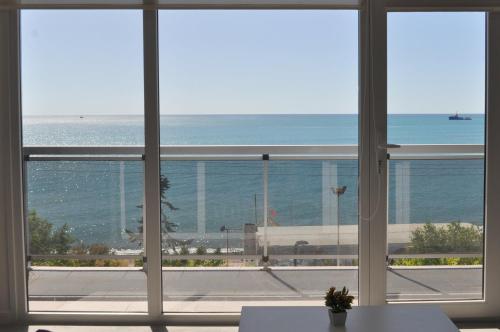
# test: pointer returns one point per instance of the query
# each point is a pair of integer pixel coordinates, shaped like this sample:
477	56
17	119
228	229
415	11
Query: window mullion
492	161
152	165
377	87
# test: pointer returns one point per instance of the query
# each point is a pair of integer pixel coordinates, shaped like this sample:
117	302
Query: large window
436	93
266	137
82	87
243	85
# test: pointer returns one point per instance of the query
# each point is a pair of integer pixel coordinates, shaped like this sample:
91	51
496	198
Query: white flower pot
337	319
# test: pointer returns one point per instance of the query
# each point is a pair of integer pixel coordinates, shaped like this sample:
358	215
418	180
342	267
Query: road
249	284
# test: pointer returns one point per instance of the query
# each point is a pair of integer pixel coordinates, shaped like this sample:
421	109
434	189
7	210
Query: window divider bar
152	226
491	288
441	5
377	110
181	4
11	145
364	158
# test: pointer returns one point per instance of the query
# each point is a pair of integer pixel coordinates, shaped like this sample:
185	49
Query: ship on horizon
458	117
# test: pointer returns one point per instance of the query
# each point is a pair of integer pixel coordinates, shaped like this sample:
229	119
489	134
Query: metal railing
251	152
265	153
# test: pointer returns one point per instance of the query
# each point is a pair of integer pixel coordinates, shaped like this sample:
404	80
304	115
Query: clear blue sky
233	62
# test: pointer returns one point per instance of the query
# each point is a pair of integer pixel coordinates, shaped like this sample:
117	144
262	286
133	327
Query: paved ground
250	284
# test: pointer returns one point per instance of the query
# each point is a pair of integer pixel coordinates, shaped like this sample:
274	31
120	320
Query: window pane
245	230
311	226
436	93
258	77
82	77
82	84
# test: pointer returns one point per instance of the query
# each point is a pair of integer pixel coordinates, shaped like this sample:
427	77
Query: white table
387	318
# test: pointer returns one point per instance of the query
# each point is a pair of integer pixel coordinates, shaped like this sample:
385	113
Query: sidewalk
226	290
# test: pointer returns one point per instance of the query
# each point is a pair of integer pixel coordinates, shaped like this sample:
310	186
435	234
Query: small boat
458	117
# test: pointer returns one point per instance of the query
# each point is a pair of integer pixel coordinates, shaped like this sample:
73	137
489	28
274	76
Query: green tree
44	239
40	231
178	262
93	249
167	226
62	239
215	262
452	238
201	250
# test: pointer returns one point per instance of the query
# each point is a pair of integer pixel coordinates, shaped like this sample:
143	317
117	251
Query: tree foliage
45	240
166	225
452	238
194	262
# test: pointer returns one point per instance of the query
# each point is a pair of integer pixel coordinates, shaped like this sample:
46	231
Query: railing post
201	198
265	175
249	242
329	181
123	215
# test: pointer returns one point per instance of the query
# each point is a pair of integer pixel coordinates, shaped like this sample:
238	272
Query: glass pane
209	210
313	224
435	231
250	77
82	77
436	93
82	85
79	209
236	80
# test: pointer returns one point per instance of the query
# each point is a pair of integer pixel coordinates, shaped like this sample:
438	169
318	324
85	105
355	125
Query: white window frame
373	125
459	310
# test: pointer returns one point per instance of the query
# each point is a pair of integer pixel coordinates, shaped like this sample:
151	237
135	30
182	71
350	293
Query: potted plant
338	302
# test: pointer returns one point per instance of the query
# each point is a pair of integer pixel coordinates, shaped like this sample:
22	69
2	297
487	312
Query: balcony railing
252	152
247	153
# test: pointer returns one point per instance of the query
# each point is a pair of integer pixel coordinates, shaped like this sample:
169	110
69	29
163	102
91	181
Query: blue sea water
99	199
247	129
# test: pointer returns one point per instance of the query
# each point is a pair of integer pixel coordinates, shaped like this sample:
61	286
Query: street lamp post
338	191
226	229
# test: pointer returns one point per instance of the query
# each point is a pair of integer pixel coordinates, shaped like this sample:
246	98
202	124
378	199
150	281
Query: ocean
99	200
